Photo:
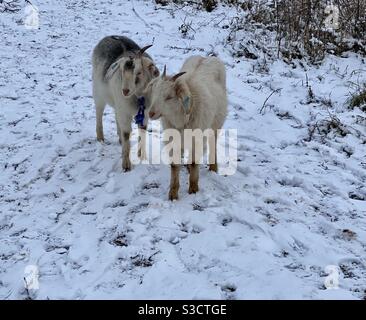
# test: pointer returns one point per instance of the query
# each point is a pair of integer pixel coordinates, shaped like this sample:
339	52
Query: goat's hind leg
99	110
141	152
212	142
193	168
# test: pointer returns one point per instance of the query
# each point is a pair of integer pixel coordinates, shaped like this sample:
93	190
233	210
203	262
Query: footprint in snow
228	291
110	186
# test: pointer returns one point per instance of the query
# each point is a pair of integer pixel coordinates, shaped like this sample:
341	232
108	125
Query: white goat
193	99
122	90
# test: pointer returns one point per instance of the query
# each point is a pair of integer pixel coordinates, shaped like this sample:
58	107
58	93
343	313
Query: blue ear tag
140	116
186	103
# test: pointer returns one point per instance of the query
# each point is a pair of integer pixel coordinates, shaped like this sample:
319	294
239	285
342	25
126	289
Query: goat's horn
163	76
142	50
175	77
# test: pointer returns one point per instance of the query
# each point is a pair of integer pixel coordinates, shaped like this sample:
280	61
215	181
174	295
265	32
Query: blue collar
139	118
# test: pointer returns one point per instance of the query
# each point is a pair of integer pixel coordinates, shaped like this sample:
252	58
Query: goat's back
205	69
206	79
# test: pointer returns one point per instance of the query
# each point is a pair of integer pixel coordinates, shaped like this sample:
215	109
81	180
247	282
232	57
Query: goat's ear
184	96
111	70
186	104
154	71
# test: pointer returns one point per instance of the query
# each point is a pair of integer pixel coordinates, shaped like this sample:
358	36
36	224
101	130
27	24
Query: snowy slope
295	205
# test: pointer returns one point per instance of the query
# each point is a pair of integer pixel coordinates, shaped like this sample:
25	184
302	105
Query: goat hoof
126	165
142	155
193	188
213	167
100	139
173	195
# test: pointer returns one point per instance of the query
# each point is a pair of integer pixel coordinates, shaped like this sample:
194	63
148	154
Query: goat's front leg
126	162
193	177
174	181
141	152
118	130
124	124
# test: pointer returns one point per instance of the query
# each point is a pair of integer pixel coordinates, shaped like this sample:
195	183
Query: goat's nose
151	114
125	91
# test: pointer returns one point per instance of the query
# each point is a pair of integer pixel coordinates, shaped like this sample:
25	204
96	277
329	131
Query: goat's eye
168	98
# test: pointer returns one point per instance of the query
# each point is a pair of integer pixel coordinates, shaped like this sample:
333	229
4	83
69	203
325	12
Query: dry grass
299	25
358	99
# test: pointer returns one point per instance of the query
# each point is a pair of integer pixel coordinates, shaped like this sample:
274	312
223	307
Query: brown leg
174	182
213	152
193	178
126	163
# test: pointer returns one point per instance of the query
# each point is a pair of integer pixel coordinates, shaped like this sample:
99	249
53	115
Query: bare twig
261	111
143	20
138	16
9	6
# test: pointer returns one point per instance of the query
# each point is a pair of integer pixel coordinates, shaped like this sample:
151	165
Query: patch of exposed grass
358	99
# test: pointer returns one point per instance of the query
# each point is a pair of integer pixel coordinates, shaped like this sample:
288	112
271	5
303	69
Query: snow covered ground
295	205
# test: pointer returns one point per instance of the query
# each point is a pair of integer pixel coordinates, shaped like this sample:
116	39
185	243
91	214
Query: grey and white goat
121	71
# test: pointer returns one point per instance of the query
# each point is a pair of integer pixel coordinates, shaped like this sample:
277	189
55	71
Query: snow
295	205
